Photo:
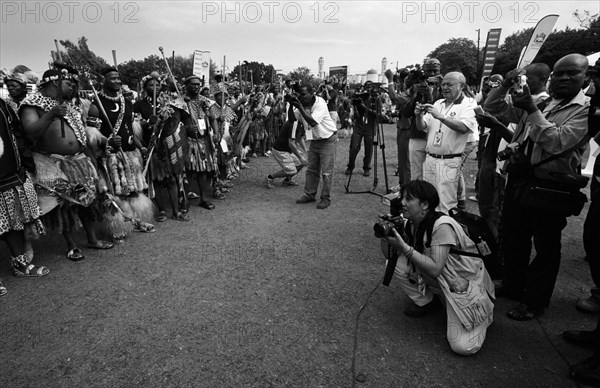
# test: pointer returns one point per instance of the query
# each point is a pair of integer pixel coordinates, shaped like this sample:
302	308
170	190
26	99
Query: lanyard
444	114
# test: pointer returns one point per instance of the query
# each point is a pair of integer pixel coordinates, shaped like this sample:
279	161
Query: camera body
506	153
522	81
388	222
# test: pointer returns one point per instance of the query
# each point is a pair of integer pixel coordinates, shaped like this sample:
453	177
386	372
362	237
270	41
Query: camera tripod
378	140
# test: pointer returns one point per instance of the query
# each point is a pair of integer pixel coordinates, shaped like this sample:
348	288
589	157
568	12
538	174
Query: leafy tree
261	73
458	54
80	56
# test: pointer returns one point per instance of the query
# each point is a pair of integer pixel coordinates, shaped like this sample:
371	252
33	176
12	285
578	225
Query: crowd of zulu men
113	165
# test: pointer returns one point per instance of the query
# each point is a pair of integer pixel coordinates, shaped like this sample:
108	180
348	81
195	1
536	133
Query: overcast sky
287	34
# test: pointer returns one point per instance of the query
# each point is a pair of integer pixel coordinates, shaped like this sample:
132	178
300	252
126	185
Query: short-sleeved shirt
452	142
325	127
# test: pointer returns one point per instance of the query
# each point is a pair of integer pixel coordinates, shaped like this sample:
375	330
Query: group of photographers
548	126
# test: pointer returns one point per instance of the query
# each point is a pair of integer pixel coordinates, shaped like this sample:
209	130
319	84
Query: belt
447	156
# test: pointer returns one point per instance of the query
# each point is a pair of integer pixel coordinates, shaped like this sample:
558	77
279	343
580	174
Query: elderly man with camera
543	181
448	123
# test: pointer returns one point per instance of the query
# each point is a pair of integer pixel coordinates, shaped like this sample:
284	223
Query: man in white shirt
448	123
322	134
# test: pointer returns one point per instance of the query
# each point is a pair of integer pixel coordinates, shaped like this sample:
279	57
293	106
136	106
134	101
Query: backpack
478	230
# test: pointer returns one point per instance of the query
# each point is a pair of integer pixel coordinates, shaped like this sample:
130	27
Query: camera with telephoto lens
394	220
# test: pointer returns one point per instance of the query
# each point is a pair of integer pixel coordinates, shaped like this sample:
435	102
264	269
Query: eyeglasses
448	84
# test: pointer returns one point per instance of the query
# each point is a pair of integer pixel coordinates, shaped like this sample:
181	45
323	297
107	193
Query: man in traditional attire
121	160
66	178
18	201
16	83
202	157
168	144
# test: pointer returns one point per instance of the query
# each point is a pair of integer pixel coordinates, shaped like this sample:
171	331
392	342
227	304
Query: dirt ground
263	292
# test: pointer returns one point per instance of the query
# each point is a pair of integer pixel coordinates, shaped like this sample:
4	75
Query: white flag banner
202	64
541	32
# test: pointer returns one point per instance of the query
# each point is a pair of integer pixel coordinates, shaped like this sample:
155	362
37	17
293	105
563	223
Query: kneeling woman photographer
434	262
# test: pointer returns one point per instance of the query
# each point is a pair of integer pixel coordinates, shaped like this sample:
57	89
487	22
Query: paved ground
262	292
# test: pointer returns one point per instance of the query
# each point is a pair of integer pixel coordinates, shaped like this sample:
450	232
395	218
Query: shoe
226	184
323	204
590	304
396	189
254	155
367	173
289	182
217	194
588	339
348	171
192	195
305	199
75	254
162	216
101	245
523	312
207	205
22	268
587	371
419	311
461	204
473	198
270	183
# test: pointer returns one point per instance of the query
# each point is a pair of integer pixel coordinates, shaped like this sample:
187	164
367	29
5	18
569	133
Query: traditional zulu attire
169	158
124	168
202	156
64	181
226	120
257	132
18	199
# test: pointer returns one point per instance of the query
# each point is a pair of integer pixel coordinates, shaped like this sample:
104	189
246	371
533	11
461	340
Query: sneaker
590	304
268	154
192	195
289	182
305	199
323	204
270	183
419	311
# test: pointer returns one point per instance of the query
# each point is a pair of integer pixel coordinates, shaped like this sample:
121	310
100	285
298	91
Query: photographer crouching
432	261
543	181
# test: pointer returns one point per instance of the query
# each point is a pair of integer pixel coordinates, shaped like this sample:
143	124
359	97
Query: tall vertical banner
491	48
201	66
541	32
338	76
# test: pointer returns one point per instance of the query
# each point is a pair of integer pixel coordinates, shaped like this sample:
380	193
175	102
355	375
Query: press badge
437	138
483	248
202	126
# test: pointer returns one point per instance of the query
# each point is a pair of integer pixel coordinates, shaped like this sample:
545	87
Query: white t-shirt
325	127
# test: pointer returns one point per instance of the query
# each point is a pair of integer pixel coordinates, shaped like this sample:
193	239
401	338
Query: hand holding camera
486	120
523	100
